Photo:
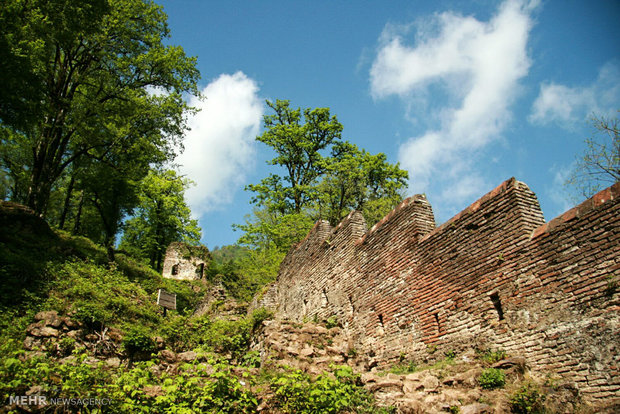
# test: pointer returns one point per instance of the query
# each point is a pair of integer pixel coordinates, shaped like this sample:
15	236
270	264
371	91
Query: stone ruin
494	276
185	262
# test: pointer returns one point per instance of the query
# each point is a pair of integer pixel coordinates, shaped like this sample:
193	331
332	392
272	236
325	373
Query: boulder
50	318
476	408
188	356
168	356
430	383
42	331
113	362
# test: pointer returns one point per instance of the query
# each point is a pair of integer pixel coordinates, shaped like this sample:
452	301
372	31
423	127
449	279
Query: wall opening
324	300
436	315
497	303
175	270
381	320
200	270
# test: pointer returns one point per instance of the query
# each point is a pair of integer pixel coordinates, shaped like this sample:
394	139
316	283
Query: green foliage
492	378
80	125
404	368
331	322
354	179
527	400
138	341
162	217
296	140
490	356
334	392
100	296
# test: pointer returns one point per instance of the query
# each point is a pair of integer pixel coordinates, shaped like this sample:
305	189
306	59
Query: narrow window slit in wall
324	300
175	270
497	303
200	270
436	315
381	320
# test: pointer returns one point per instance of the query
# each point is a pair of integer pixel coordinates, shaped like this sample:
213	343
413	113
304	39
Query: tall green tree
297	141
161	218
90	68
599	165
354	179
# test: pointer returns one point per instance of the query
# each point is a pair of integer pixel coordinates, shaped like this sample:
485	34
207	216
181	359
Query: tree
90	67
161	218
297	141
357	180
599	166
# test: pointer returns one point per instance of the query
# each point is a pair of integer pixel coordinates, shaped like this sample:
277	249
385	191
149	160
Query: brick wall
495	275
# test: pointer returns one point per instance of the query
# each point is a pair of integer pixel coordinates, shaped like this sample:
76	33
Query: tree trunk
67	204
78	216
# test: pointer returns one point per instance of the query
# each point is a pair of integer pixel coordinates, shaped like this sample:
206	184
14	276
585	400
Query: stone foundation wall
496	275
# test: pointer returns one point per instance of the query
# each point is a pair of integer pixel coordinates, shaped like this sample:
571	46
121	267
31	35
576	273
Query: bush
337	392
138	343
491	356
527	400
492	378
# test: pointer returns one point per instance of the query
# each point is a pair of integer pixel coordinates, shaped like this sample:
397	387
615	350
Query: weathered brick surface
495	275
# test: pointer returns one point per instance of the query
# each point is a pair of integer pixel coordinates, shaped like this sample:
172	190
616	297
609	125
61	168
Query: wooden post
166	300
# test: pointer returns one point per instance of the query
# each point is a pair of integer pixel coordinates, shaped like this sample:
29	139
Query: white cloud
219	149
566	105
476	67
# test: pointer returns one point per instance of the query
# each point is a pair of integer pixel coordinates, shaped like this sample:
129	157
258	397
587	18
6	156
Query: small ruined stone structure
185	262
495	275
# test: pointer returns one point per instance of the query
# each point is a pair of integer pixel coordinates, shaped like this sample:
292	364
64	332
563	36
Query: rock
159	341
292	351
168	356
153	391
514	363
394	377
411	386
70	323
50	318
469	378
42	331
75	334
367	377
90	361
31	343
384	385
188	356
476	408
113	362
307	352
430	383
410	406
70	360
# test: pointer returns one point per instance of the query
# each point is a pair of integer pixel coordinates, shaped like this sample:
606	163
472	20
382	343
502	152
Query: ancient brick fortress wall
496	275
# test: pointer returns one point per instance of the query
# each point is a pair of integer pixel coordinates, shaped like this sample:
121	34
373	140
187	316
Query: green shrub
491	356
492	378
138	343
527	400
260	315
404	368
337	392
331	322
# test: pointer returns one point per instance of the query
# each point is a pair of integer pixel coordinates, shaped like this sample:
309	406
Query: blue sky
463	94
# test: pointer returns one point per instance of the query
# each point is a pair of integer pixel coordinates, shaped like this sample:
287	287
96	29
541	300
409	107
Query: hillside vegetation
75	326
